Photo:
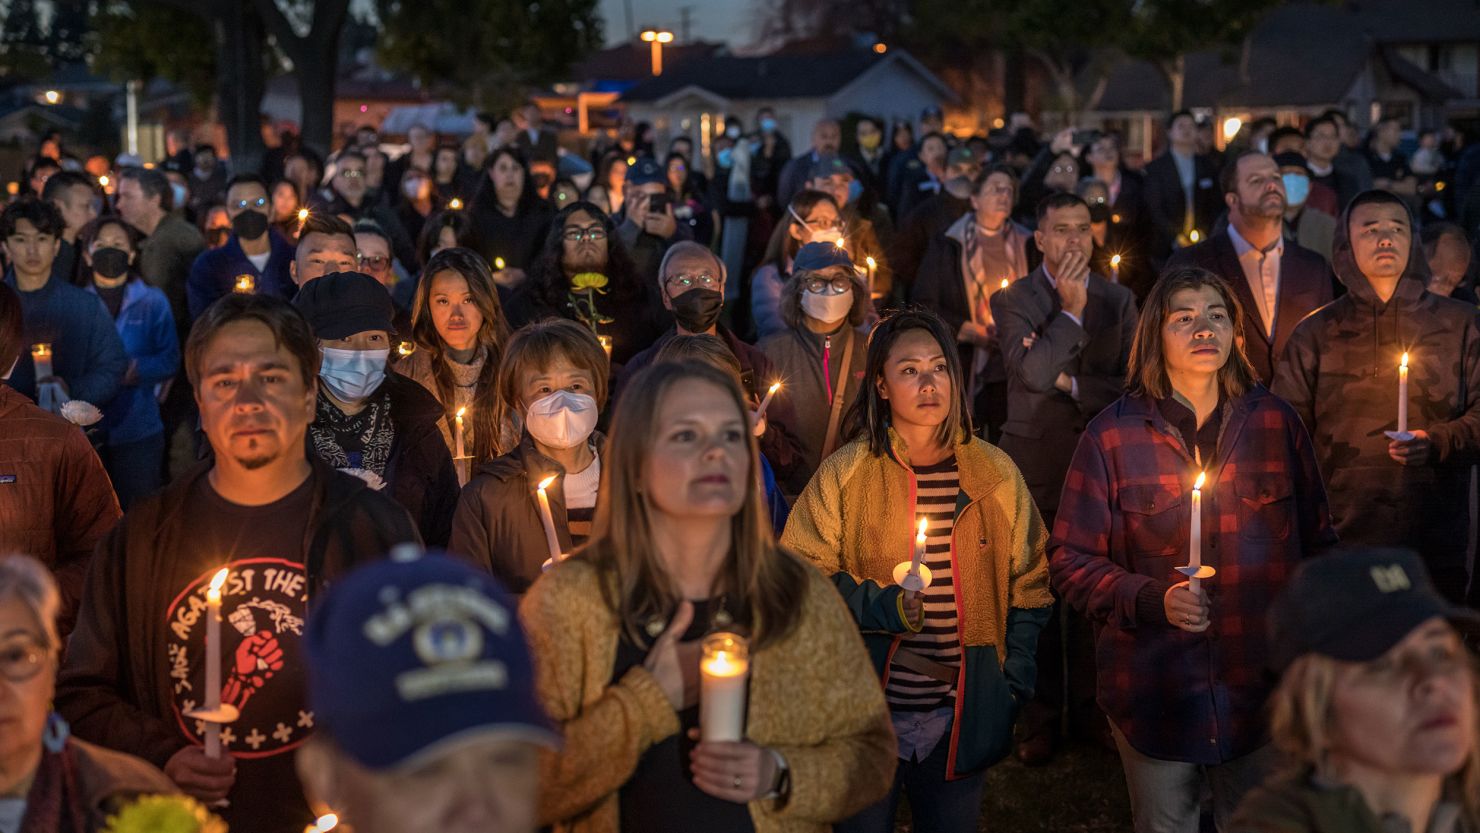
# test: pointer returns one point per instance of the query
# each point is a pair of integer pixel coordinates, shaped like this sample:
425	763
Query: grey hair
26	580
689	247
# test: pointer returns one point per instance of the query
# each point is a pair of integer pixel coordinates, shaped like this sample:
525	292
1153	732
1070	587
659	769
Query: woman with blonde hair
459	332
681	548
1378	708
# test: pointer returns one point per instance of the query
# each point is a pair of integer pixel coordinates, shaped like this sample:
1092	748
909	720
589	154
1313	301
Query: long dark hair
487	408
486	198
1146	372
764	587
870	416
547	278
88	234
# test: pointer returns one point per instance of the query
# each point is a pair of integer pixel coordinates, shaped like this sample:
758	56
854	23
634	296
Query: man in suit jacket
1278	281
1066	340
1181	190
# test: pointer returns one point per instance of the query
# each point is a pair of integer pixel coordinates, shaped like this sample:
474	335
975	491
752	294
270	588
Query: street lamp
657	37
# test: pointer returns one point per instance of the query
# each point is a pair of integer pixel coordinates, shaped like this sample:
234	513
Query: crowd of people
967	442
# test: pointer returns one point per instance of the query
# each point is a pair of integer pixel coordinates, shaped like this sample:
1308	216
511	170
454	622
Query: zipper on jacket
827	365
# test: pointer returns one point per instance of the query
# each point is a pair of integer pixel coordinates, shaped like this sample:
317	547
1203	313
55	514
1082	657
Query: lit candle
245	285
1194	236
454	204
606	344
761	411
302	218
498	264
1403	395
457	433
872	266
41	359
1115	268
724	669
213	662
405	349
919	557
913	575
1195	571
552	541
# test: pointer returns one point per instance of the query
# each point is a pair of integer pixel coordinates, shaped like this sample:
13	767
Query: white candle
302	218
919	557
1194	536
761	411
724	669
872	265
457	433
1115	268
213	661
41	358
552	541
1403	395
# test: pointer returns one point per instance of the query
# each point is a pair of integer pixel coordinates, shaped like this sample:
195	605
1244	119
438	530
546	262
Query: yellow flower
588	280
164	814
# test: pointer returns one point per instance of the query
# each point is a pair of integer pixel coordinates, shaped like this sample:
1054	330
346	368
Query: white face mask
828	308
352	375
562	419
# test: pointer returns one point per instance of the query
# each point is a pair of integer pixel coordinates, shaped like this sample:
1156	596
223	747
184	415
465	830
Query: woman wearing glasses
49	780
583	239
821	352
812	217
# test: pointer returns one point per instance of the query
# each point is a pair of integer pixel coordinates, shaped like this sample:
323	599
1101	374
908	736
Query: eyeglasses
824	225
823	286
351	173
21	661
260	202
1065	169
690	281
576	235
376	262
997	190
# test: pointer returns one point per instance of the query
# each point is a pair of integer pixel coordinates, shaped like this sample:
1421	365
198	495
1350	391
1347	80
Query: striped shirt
937	489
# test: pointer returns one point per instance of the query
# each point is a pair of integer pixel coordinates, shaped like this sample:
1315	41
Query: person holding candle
459	330
509	218
1378	705
88	360
50	780
371	422
1181	674
554	376
254	248
133	433
957	660
283	524
1411	492
681	548
821	353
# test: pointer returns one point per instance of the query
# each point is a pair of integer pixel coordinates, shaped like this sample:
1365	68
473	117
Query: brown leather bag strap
835	415
938	671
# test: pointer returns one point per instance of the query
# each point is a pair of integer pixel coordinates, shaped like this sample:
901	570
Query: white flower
372	479
81	413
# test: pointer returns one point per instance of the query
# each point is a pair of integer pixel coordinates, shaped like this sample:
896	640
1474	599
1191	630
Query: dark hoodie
135	664
1340	372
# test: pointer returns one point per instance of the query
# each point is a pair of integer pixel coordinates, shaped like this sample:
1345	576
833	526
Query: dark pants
936	805
135	468
989	411
1066	677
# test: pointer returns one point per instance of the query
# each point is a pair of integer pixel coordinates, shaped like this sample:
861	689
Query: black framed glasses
375	262
824	286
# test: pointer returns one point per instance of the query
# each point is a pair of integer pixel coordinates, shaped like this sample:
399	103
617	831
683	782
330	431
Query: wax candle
761	411
302	218
606	344
552	541
41	359
213	661
872	266
457	433
1403	395
724	669
1194	537
245	285
1115	268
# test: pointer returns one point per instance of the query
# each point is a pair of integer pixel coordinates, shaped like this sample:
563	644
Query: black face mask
698	309
249	225
110	263
1099	213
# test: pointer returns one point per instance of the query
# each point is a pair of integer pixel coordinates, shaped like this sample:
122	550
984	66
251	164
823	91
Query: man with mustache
1341	370
282	523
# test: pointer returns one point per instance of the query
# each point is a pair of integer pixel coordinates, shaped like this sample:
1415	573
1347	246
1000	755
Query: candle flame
545	484
924	523
406	348
103	180
455	204
871	262
1005	283
1202	477
302	214
325	823
498	264
1115	261
1404	363
775	386
461	412
214	592
1194	236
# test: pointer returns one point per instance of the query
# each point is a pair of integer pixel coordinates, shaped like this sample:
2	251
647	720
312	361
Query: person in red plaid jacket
1182	674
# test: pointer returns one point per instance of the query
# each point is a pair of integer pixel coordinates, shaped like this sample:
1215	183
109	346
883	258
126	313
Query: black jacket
1306	284
1166	203
1043	423
929	219
517	239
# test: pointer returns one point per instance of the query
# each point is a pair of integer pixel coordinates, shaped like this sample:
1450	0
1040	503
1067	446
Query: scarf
372	426
53	804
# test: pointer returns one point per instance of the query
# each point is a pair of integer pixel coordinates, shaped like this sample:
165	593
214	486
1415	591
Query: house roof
779	75
1418	21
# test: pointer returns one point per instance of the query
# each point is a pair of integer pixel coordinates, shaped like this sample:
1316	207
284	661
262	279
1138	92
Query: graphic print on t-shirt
262	607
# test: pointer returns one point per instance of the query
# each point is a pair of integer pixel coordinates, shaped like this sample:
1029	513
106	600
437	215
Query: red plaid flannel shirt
1123	525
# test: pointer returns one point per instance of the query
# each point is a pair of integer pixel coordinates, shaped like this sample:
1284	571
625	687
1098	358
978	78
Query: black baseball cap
340	304
1355	605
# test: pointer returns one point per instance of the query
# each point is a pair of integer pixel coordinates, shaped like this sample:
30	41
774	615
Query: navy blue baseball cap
645	170
417	654
817	256
1355	605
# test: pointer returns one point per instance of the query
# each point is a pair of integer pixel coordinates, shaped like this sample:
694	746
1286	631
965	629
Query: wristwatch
781	789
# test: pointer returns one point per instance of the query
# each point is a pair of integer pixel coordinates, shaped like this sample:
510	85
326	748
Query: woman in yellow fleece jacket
682	547
958	658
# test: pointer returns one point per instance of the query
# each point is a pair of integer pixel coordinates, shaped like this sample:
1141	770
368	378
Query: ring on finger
737	782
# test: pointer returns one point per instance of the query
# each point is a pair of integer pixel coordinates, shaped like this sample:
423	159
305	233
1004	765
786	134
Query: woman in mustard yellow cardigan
681	547
958	658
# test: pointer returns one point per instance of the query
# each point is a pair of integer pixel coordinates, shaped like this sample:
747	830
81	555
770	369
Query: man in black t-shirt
280	524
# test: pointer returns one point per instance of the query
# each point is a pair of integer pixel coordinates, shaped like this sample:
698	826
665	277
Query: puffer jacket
855	521
1340	372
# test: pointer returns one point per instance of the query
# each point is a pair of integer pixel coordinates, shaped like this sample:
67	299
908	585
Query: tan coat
814	698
